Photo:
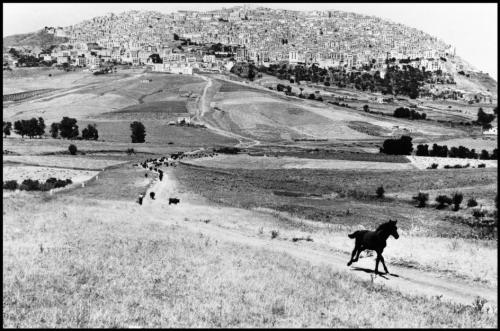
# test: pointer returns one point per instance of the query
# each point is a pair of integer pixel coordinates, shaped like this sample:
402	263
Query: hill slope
39	38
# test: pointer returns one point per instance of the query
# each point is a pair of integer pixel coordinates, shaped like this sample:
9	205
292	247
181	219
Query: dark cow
152	195
173	201
140	199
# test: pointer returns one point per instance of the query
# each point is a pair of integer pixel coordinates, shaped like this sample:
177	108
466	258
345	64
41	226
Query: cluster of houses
263	35
260	35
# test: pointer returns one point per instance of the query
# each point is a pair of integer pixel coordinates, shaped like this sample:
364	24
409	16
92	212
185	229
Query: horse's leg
383	264
376	263
352	256
360	249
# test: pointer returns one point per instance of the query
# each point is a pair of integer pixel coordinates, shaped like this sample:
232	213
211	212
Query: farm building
183	119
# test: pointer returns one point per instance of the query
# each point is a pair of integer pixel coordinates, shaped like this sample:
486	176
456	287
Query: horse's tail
353	235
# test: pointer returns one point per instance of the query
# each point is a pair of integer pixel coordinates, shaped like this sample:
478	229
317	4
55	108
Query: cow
141	196
173	201
152	195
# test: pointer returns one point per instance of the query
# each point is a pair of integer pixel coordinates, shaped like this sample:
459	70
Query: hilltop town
215	41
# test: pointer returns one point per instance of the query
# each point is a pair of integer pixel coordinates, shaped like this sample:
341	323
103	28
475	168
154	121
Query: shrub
227	150
443	200
274	234
30	185
433	166
481	165
380	192
10	185
72	149
478	213
130	151
457	200
422	199
471	202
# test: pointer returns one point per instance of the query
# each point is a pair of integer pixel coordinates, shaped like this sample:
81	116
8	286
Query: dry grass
66	161
244	161
72	263
20	173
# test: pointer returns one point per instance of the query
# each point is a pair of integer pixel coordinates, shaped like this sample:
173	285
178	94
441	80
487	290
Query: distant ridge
40	39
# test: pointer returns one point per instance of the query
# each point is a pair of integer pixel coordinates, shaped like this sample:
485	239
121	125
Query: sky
470	27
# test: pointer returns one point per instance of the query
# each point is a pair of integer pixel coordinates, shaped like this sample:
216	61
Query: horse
373	240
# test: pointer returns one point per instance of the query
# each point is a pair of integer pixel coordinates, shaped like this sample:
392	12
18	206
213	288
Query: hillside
39	38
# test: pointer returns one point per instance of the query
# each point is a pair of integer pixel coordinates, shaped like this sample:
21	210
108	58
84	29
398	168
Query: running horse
373	240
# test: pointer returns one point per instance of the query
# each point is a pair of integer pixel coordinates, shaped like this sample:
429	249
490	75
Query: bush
130	151
457	200
433	166
274	234
227	150
10	185
481	165
72	149
422	199
380	192
478	213
471	202
443	200
30	185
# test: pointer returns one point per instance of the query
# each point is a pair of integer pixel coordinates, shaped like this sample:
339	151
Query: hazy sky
470	27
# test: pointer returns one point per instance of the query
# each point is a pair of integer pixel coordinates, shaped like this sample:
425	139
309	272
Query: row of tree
459	152
67	129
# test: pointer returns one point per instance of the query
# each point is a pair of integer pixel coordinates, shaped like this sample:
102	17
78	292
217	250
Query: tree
7	126
401	146
68	128
72	149
54	130
366	108
176	37
90	132
484	119
457	200
422	199
19	128
40	127
422	150
380	192
138	132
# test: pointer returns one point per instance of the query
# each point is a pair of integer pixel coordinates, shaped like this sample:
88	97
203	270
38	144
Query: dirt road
204	107
200	216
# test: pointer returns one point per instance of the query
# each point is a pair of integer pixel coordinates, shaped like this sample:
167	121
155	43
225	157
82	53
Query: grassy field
343	155
244	161
74	262
159	133
342	197
63	161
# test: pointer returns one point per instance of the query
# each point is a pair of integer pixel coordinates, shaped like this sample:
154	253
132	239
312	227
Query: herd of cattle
154	165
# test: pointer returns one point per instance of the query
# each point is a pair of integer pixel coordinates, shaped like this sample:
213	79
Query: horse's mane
383	226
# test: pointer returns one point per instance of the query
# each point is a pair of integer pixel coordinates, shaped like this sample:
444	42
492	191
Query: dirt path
197	215
204	107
